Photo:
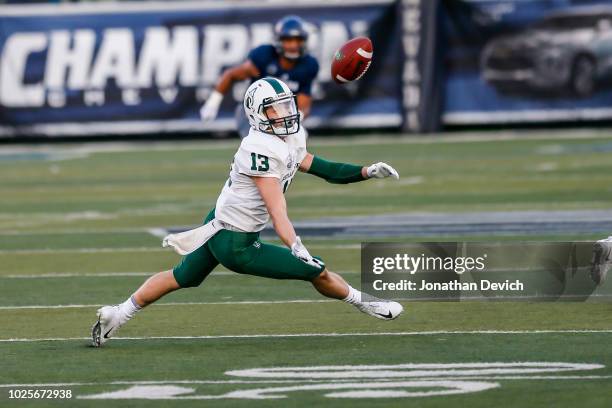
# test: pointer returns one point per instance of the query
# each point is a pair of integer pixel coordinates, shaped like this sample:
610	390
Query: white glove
382	170
300	252
211	107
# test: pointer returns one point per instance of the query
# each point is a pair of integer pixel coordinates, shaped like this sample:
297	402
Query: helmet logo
338	55
248	102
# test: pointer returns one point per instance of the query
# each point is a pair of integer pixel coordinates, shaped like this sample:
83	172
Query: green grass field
75	224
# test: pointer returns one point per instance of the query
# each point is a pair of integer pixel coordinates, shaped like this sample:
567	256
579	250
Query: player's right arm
262	164
304	97
273	197
233	74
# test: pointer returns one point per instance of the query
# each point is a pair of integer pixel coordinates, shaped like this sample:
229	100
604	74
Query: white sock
129	307
354	296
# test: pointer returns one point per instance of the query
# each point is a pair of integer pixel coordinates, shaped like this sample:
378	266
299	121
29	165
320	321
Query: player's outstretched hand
382	170
300	252
211	107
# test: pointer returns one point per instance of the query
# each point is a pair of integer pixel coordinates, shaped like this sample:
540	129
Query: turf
76	232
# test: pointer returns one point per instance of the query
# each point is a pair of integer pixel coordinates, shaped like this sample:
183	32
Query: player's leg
192	270
278	262
155	288
245	253
331	285
110	318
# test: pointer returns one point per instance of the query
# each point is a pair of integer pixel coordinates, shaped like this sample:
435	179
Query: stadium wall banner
137	68
527	61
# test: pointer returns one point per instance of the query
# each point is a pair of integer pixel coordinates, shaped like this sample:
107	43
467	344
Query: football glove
211	107
382	170
300	252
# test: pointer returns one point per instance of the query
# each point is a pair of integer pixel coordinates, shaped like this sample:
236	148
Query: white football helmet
271	108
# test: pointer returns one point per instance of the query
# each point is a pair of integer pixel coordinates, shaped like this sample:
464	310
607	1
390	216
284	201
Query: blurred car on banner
567	51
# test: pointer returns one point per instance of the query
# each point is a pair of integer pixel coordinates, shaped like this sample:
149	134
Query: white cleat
109	321
381	309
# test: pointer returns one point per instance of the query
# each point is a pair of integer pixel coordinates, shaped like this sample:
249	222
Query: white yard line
80	384
83	275
463	137
243	302
72	231
290	335
535	377
82	250
394	139
140	249
304	380
63	275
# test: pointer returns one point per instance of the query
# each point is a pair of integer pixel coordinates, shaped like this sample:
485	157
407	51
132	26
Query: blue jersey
299	79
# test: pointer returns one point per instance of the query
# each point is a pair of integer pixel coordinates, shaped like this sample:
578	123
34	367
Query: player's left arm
304	97
344	173
304	102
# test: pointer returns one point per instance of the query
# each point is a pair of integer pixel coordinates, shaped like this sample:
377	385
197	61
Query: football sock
354	296
129	308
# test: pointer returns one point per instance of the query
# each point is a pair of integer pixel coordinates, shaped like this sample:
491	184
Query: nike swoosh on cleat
106	334
387	316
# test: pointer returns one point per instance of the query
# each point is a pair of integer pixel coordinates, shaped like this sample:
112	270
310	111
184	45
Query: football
352	60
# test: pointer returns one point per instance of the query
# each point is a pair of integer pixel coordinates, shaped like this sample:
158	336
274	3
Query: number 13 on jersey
259	162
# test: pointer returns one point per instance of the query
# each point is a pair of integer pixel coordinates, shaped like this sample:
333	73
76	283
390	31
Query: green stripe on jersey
275	84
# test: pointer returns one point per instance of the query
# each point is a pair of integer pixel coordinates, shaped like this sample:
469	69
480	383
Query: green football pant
241	252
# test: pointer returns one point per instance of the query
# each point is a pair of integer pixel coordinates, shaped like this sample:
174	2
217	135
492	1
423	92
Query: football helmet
270	107
290	27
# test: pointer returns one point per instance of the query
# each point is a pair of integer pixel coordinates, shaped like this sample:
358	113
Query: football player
286	59
261	172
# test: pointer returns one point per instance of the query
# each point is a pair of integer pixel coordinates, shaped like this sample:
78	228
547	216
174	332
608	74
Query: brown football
352	60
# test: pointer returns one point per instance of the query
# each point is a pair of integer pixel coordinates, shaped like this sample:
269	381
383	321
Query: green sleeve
337	173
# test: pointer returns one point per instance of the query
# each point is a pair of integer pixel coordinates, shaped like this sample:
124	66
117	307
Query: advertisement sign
131	68
527	61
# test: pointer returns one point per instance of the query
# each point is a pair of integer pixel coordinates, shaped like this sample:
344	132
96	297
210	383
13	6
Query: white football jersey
260	154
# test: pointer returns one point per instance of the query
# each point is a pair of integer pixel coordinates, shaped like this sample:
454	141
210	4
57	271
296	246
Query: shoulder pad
265	144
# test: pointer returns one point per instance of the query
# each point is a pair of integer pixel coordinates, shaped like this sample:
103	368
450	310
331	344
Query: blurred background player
287	59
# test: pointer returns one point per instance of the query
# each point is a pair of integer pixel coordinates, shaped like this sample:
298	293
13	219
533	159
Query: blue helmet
290	27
